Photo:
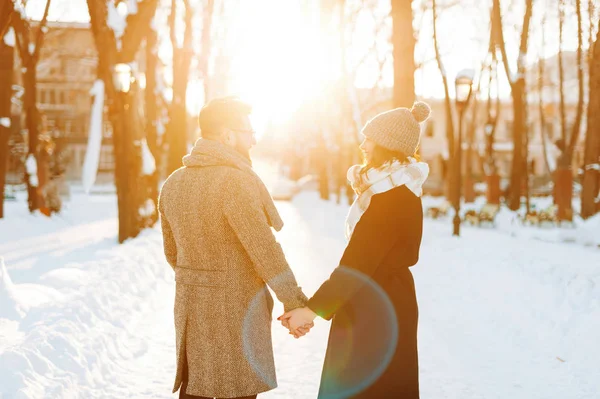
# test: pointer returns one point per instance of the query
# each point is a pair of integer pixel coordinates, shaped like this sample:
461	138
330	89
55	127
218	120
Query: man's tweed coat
216	218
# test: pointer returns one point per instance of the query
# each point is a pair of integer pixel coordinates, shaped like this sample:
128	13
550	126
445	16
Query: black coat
372	349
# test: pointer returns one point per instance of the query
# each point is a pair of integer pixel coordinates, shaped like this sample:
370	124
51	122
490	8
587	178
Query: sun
282	60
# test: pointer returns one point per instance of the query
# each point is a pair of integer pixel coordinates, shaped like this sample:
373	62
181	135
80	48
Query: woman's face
367	147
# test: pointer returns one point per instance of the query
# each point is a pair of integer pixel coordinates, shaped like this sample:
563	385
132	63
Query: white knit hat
398	129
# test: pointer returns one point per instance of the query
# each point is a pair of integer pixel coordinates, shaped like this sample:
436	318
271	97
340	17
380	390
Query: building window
52	97
509	129
107	159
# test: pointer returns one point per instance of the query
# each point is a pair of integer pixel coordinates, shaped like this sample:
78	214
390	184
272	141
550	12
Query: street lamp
463	86
122	77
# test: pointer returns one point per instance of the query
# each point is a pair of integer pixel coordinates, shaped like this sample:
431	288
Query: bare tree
564	175
152	115
469	182
403	40
127	133
447	104
517	84
540	88
7	9
177	132
206	46
590	196
6	80
29	53
492	111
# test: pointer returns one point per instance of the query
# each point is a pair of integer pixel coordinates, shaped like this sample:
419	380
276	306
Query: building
66	72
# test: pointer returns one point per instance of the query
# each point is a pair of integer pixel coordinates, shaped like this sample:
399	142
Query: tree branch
137	29
577	124
39	40
6	16
449	115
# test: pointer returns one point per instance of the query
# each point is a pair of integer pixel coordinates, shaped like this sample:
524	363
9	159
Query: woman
372	349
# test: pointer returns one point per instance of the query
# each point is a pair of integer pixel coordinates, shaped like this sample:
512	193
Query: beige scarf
212	153
376	181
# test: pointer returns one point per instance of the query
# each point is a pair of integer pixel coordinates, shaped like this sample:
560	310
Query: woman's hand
299	321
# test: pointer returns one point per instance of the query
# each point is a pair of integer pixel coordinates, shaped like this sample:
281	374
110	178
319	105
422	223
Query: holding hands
298	321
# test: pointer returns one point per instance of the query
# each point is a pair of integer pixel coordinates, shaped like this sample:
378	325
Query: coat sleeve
369	245
245	214
170	247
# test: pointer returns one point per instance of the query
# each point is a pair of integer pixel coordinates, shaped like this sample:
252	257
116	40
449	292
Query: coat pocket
200	277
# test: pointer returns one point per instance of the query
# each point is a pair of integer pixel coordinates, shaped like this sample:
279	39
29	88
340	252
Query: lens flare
363	338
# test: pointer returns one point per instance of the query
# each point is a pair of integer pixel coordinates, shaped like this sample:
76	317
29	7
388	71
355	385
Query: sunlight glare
284	60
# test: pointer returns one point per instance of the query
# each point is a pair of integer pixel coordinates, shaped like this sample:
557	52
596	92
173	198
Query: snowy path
500	317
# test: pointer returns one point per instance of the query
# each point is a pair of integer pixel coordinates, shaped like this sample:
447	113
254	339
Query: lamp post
463	85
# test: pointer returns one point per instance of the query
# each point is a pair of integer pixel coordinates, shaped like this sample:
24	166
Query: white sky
281	58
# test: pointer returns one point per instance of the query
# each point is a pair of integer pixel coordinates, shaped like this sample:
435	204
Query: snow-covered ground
511	312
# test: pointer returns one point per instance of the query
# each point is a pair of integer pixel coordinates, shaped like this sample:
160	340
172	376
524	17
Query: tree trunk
449	181
6	78
590	204
124	197
182	57
29	60
469	182
7	10
564	183
122	106
150	99
493	193
31	123
517	83
519	132
322	158
206	46
403	41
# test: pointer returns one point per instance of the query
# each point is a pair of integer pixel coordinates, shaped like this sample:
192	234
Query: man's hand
299	321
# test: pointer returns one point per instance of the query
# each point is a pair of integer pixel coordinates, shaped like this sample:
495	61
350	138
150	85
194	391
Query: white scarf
376	181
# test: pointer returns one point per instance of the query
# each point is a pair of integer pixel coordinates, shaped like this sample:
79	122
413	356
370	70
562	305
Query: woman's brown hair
381	156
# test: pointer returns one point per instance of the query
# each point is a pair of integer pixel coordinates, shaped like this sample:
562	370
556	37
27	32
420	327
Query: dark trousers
183	395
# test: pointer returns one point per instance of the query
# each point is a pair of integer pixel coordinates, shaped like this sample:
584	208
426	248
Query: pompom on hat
398	129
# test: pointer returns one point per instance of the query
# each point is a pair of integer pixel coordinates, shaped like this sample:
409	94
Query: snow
117	19
20	8
31	168
9	306
132	7
595	166
148	163
466	73
160	127
5	121
94	146
504	313
9	38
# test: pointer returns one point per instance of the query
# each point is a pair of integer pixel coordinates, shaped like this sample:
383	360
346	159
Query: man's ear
228	137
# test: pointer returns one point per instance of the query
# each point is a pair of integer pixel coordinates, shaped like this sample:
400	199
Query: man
216	217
